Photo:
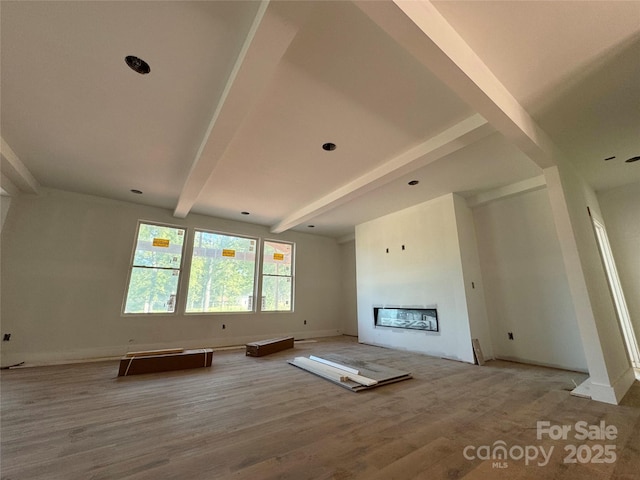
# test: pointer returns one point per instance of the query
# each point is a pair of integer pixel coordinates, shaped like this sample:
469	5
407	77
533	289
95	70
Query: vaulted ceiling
464	96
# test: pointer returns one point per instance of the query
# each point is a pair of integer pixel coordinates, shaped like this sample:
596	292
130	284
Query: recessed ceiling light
413	182
137	192
633	159
609	158
137	64
311	226
244	213
329	147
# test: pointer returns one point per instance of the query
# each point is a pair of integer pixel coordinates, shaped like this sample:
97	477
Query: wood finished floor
261	418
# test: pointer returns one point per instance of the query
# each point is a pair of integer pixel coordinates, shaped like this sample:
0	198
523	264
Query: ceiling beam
350	237
436	44
518	188
7	187
459	136
267	41
16	172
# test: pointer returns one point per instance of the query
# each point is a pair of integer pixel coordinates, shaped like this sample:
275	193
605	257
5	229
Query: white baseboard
98	354
541	364
606	393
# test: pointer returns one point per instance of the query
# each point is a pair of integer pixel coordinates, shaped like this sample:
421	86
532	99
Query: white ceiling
242	95
575	67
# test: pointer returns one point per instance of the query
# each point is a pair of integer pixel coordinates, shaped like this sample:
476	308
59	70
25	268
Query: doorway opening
616	292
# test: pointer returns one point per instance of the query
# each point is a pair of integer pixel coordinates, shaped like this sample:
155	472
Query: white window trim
256	287
180	271
292	276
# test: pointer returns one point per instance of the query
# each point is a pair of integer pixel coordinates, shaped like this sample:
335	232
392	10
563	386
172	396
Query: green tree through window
155	269
223	271
277	276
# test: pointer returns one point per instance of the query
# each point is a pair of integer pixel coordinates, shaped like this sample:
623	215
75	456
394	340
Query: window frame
180	269
185	266
292	276
257	265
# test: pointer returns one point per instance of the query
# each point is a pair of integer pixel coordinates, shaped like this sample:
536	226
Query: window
155	269
277	277
223	272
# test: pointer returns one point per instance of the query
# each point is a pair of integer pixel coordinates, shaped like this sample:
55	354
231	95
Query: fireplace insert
412	318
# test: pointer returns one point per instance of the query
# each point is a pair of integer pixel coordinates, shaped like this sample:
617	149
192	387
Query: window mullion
156	268
154	289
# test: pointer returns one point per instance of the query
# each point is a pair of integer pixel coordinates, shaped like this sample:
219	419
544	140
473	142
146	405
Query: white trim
334	364
114	352
615	288
612	394
332	373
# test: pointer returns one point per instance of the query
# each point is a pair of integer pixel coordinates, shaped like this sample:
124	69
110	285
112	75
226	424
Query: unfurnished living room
391	239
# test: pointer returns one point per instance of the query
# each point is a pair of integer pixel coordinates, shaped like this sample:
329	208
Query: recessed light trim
414	182
311	226
136	191
633	159
245	213
137	64
609	158
329	147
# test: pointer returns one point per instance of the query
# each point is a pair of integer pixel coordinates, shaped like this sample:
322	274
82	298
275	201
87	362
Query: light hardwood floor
261	418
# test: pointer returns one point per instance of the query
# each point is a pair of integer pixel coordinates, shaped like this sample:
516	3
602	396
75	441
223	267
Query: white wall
621	212
472	277
610	372
65	261
427	274
5	203
526	287
349	296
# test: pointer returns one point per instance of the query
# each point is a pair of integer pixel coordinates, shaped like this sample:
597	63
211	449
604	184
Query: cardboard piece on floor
139	364
382	374
477	351
265	347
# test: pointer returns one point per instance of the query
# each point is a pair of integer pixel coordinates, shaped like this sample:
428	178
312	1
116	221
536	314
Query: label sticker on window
278	256
228	253
161	242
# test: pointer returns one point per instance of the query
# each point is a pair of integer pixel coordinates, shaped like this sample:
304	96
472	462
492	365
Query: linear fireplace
412	318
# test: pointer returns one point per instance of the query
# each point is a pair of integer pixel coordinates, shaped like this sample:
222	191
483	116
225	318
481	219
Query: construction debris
340	370
136	363
265	347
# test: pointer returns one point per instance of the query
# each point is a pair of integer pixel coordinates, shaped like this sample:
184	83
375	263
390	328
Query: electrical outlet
224	326
6	337
510	335
305	322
